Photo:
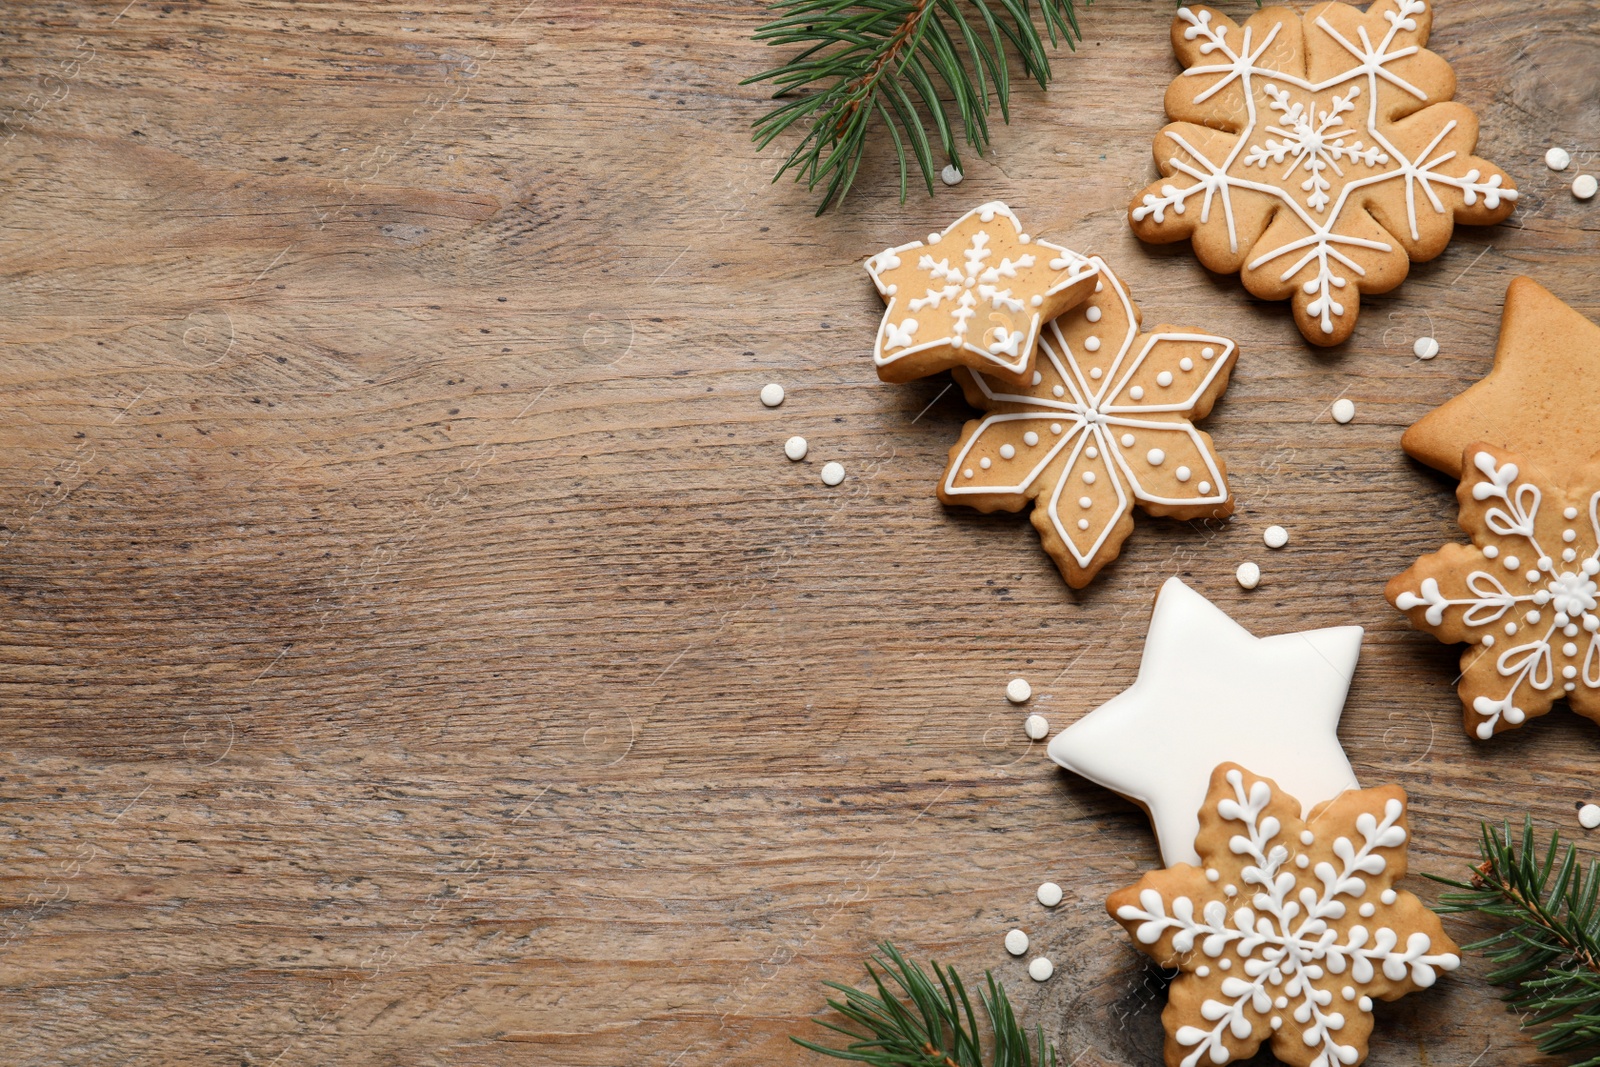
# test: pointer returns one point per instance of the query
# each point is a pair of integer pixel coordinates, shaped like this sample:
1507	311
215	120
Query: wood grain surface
416	647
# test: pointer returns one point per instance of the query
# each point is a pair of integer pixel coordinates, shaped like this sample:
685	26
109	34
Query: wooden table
417	648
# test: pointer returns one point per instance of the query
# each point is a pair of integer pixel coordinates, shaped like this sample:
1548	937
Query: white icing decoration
1313	139
1209	692
1030	438
1186	364
1571	594
1106	419
1155	457
1091	343
1182	474
1085	502
971	287
1248	575
1093	313
1164	379
1290	933
1018	690
1037	377
1007	451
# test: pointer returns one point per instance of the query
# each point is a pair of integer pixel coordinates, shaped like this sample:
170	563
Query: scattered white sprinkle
832	473
1558	159
1589	816
795	448
1584	186
1036	726
1248	574
1049	894
1040	969
951	175
772	394
1018	690
1425	348
1275	536
1344	409
1016	942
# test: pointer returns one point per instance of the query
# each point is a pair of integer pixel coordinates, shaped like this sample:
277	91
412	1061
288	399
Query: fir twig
905	63
1549	954
927	1022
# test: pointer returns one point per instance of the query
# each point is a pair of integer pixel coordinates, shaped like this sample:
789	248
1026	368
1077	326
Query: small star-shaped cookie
1102	423
1540	400
973	296
1525	596
1317	156
1208	691
1285	930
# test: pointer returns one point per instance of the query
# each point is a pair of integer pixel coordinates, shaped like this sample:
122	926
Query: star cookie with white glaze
1102	423
1286	930
1539	401
1523	596
974	295
1317	157
1209	691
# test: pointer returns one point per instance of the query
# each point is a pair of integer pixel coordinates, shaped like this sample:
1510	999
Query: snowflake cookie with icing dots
1103	423
1317	158
1289	929
974	295
1524	596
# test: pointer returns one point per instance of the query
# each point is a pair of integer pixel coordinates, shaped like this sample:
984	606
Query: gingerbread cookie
1317	157
1208	690
1102	423
973	296
1539	401
1524	596
1289	929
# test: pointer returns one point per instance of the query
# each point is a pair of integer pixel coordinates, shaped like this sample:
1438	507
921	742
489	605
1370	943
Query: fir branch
1549	954
904	63
926	1022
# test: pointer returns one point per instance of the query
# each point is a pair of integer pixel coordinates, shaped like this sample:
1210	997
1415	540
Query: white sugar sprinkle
1016	942
1040	969
1018	690
1425	348
1049	894
1275	536
1589	816
772	394
1558	159
1584	186
1344	409
795	448
832	473
1248	574
951	175
1036	726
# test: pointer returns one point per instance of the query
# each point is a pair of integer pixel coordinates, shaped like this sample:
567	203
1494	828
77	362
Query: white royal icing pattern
967	282
1302	136
1542	596
1095	417
1294	949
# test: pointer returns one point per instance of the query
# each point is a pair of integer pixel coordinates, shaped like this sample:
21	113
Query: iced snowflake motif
960	283
1314	141
1296	952
1120	415
1513	586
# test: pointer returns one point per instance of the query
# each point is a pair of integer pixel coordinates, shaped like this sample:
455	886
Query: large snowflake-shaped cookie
1103	423
1289	929
1317	158
974	295
1524	596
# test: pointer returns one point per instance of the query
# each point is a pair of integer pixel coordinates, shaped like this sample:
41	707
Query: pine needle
904	64
913	1020
1548	956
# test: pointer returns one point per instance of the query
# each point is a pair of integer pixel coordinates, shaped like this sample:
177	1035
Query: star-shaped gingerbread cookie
1317	156
1288	930
1102	423
1540	400
974	296
1524	596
